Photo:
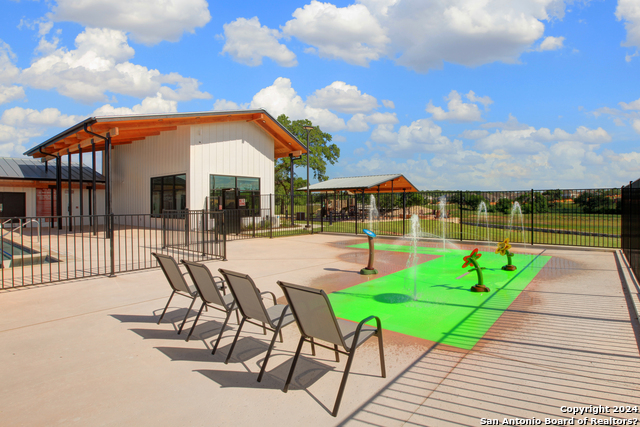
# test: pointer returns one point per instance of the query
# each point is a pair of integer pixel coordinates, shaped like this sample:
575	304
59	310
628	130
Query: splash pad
432	300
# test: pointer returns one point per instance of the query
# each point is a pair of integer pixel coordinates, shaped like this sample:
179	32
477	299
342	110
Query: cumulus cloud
100	64
467	32
512	123
8	70
148	105
342	97
349	33
148	23
629	12
420	136
474	134
633	105
224	105
248	42
388	104
10	93
18	125
551	43
360	122
459	111
281	98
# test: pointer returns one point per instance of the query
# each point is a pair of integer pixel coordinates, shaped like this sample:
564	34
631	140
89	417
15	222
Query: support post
69	190
271	216
460	219
404	212
94	201
291	191
81	178
107	151
532	210
59	191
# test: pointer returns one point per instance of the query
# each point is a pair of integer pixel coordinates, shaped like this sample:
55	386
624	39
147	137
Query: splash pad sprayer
473	260
369	268
503	249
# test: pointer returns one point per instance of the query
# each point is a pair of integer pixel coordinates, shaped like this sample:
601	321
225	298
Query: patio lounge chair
209	289
315	319
176	281
249	300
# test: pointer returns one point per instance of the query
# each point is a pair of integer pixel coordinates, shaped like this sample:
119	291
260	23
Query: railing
631	225
84	246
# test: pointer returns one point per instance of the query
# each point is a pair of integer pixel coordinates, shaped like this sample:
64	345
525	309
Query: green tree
321	151
504	205
553	195
595	202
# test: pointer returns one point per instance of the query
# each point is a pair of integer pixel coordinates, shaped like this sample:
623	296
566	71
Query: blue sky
455	94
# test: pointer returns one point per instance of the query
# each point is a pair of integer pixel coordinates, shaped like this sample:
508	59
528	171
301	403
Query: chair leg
313	347
165	307
266	358
335	350
186	315
237	317
293	365
280	333
234	341
224	325
382	368
343	383
195	322
264	329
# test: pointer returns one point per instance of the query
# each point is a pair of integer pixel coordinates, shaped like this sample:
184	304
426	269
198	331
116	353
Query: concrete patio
89	352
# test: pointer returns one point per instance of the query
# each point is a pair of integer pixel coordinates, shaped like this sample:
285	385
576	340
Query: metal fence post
404	212
322	203
224	238
204	216
270	216
460	209
532	210
111	248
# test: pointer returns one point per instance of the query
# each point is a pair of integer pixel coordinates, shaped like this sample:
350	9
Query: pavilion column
81	172
59	191
93	196
70	195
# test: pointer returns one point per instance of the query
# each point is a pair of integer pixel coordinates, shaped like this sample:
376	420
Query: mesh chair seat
178	285
316	320
249	300
209	290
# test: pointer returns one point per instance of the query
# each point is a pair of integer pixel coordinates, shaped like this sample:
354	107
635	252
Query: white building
180	161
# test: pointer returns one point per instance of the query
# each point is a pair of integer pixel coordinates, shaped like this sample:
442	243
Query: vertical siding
135	164
232	148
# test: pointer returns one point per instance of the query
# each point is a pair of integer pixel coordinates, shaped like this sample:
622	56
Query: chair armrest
222	286
273	296
359	327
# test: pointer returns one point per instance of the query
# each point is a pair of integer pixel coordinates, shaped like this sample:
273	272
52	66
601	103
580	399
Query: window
231	192
168	193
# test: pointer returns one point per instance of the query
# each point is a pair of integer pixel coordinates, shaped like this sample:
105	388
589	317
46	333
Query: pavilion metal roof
369	184
34	169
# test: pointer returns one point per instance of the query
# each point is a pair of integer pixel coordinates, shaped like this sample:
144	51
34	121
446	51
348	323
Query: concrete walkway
90	353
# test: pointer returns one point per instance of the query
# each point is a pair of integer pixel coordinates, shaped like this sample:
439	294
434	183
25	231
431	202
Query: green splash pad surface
445	310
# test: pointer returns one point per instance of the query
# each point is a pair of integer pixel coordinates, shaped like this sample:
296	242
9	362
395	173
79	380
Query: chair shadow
343	271
136	318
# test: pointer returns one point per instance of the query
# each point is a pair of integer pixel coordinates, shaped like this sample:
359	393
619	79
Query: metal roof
33	169
387	183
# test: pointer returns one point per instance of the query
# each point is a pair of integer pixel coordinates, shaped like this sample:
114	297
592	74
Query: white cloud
633	105
224	105
551	43
484	100
148	23
360	122
100	64
421	136
468	32
148	105
629	12
248	42
8	71
10	93
474	134
459	111
349	33
511	124
281	98
18	125
582	134
636	125
342	97
388	104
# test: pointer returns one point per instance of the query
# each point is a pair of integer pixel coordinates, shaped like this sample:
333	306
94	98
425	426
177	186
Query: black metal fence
631	225
51	249
583	217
